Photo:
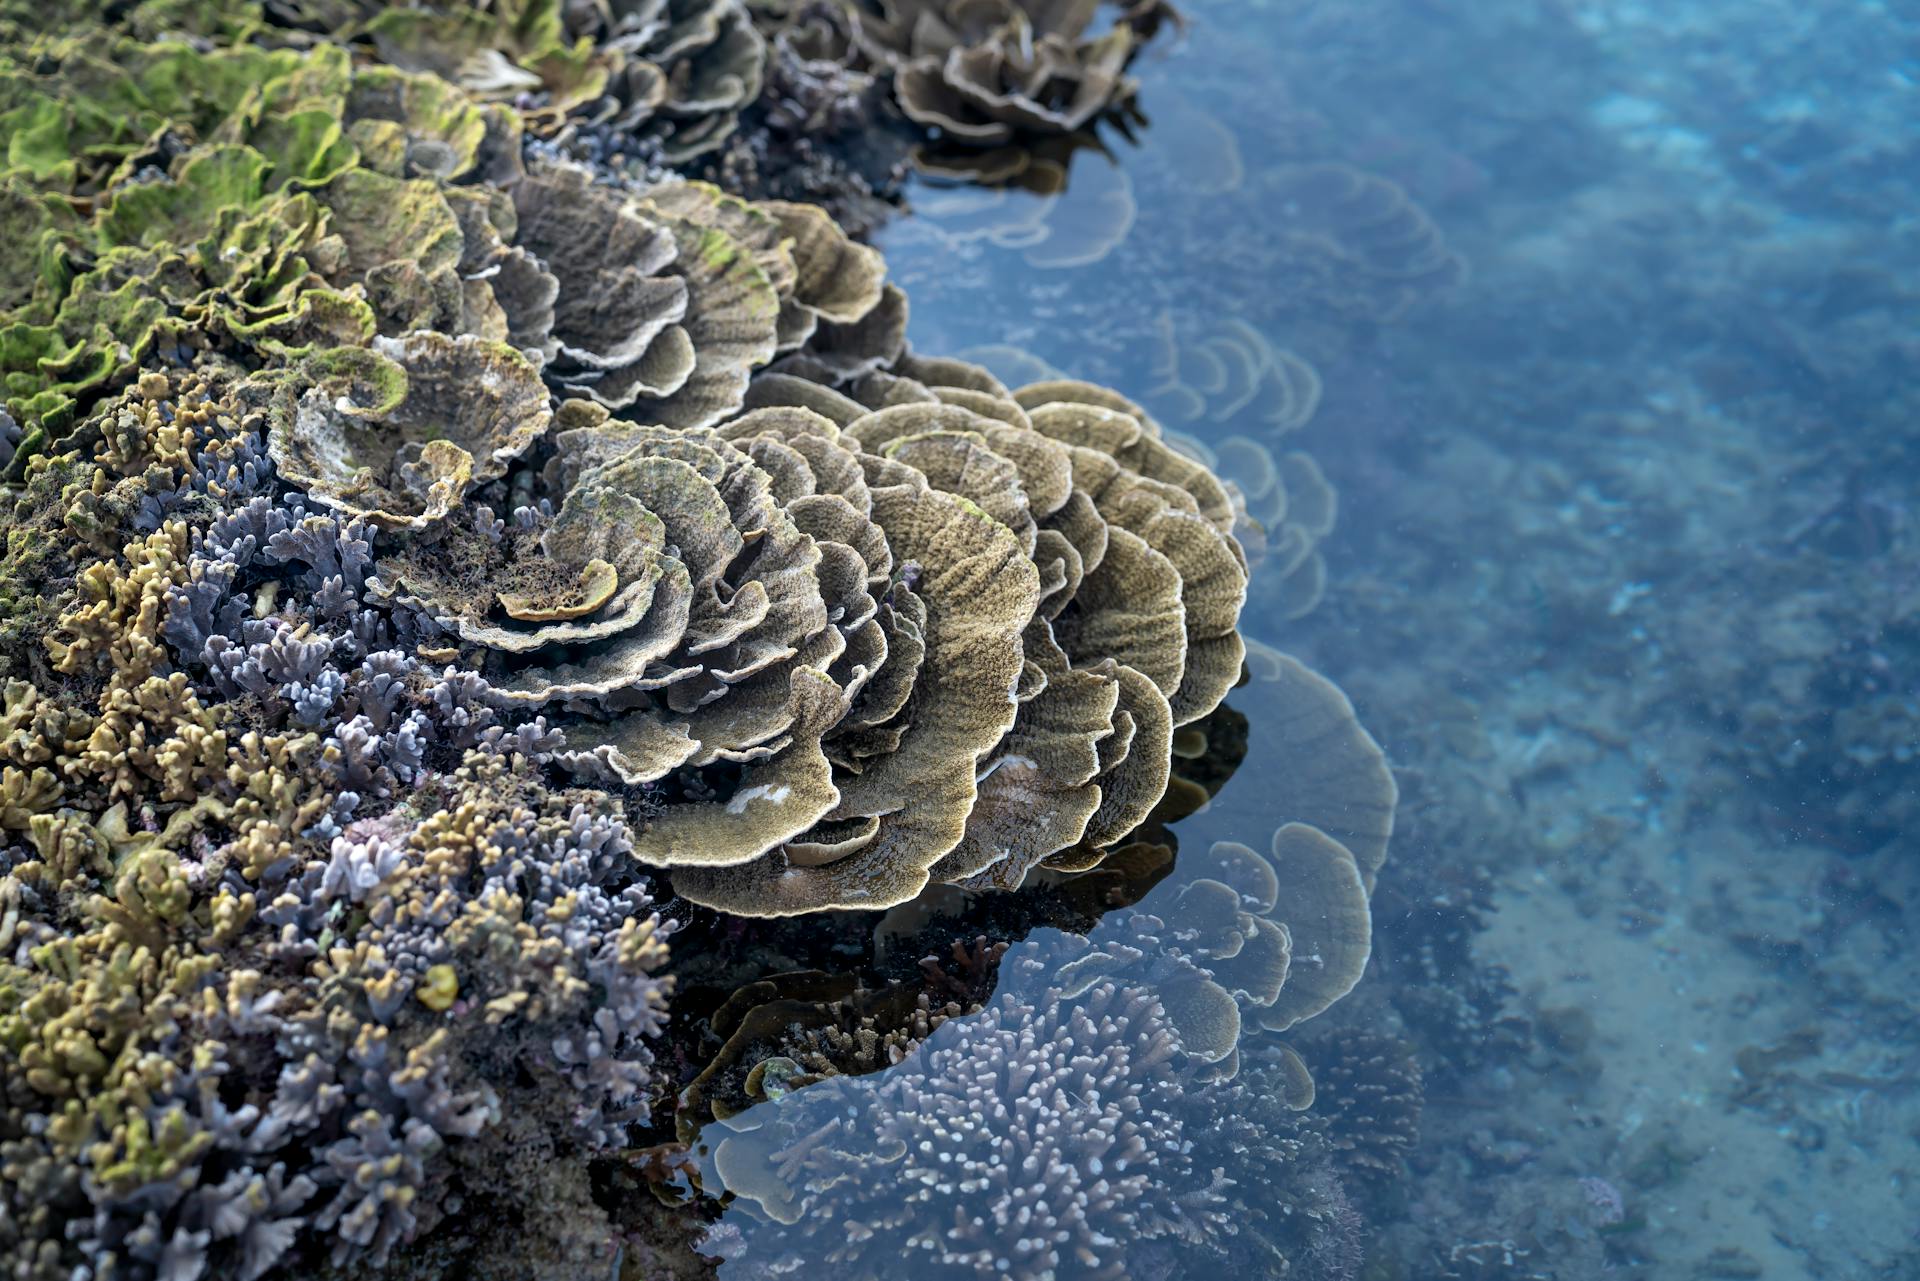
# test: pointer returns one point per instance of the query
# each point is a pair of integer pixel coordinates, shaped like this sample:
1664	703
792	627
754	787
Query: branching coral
1050	1135
246	1016
1002	1174
1369	1089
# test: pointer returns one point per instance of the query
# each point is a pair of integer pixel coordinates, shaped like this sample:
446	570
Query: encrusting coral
429	542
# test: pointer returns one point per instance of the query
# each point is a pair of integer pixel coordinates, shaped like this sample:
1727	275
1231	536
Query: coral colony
473	587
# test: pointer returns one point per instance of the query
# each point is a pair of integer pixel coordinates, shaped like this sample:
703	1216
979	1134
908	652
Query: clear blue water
1609	309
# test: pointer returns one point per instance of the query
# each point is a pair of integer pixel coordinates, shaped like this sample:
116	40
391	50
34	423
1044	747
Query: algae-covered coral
444	559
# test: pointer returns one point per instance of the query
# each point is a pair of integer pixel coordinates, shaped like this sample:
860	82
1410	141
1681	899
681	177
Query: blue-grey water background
1623	576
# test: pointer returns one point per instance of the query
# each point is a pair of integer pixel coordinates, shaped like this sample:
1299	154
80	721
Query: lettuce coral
997	604
423	548
984	80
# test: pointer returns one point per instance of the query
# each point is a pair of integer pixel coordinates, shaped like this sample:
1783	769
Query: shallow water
1622	579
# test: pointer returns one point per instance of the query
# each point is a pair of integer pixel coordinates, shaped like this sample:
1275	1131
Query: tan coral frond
399	434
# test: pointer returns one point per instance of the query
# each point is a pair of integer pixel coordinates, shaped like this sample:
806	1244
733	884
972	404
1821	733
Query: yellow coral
24	794
278	798
441	988
116	625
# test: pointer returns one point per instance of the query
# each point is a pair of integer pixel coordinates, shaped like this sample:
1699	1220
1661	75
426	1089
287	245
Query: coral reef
828	1098
454	550
985	81
823	130
660	305
284	901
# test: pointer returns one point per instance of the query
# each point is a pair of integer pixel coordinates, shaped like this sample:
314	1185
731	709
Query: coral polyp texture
441	559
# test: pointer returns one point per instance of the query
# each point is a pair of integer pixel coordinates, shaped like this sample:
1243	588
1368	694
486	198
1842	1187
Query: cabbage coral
423	549
990	76
844	649
668	76
673	72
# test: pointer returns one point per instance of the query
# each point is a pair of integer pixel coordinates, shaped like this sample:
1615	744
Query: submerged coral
1001	1174
1229	372
1286	509
1051	1134
986	81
